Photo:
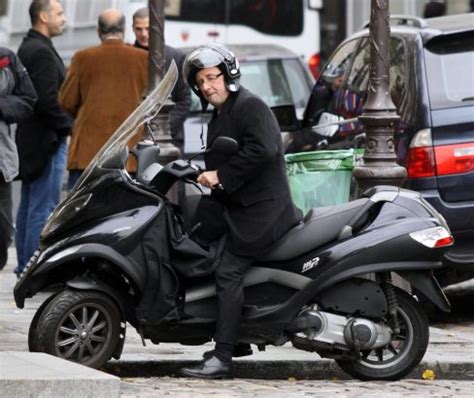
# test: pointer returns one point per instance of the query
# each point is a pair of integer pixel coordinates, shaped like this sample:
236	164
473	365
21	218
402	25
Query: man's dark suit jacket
38	137
256	191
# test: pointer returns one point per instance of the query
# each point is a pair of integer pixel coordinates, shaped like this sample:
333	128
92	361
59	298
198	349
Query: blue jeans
6	219
38	200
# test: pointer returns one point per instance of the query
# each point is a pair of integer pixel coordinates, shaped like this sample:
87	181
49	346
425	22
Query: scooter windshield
116	145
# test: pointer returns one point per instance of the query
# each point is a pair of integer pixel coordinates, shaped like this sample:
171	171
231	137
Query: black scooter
326	286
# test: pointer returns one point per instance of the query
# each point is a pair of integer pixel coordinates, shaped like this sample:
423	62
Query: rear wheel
80	326
404	352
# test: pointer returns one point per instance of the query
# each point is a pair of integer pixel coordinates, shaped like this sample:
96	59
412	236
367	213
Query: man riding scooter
250	192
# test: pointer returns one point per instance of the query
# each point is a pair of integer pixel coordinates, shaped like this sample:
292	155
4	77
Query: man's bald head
111	24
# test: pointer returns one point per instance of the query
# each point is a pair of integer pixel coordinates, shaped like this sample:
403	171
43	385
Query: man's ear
43	16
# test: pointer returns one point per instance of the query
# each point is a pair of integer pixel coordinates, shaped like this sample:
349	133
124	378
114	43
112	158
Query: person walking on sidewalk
181	96
104	85
250	187
17	98
41	139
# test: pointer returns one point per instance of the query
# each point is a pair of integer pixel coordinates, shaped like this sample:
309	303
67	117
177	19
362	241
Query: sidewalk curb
319	369
26	374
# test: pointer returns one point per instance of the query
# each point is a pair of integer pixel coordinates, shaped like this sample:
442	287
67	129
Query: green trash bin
320	178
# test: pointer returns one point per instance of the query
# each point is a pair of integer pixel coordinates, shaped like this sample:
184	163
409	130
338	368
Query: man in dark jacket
180	94
41	139
251	186
17	98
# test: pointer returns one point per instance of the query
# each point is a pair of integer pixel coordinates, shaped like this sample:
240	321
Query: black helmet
207	56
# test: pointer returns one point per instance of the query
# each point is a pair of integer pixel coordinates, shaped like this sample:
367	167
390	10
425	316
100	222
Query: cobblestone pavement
186	388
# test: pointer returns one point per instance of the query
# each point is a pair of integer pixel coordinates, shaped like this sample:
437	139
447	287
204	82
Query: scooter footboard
428	286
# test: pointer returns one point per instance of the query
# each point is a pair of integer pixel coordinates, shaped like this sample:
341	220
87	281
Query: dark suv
432	86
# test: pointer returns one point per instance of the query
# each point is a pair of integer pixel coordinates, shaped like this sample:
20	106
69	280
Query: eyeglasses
208	79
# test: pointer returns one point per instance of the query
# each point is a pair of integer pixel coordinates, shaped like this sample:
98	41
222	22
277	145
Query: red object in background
213	33
314	64
184	35
4	61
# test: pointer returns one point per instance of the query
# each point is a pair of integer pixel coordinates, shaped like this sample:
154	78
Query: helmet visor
204	58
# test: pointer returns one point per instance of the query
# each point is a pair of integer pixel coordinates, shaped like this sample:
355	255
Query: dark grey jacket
38	136
17	98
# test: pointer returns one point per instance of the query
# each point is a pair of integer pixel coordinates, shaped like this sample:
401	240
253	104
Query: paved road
186	388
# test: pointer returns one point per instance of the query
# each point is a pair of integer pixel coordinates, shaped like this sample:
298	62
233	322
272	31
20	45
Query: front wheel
404	352
80	326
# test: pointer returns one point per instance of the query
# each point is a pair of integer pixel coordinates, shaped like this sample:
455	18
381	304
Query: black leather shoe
210	368
240	350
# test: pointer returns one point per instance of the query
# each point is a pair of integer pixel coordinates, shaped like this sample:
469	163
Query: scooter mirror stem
196	155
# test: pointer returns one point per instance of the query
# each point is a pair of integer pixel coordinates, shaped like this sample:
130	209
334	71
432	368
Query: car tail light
426	160
421	159
454	159
433	237
314	63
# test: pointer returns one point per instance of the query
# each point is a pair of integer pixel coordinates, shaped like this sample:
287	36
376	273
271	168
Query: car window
450	70
299	82
277	82
354	93
325	94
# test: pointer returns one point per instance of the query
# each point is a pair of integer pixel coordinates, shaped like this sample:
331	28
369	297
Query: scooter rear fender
428	285
36	277
415	273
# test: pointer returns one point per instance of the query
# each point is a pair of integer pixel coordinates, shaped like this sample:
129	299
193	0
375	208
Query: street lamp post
379	118
156	71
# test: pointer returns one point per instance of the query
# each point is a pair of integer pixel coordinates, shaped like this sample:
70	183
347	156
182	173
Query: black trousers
230	296
6	219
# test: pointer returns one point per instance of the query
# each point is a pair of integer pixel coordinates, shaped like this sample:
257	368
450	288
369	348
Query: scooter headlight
433	237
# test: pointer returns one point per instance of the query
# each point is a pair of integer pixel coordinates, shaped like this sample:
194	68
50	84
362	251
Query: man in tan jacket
103	86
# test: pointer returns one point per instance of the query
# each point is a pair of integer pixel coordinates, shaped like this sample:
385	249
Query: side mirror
224	145
328	124
286	117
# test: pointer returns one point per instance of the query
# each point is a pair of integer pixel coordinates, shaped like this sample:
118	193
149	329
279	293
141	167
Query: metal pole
379	118
156	43
156	70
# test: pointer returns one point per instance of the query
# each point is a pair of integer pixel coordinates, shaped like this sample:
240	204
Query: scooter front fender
89	284
36	276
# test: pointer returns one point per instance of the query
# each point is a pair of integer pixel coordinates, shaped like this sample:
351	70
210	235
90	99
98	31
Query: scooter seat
320	226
